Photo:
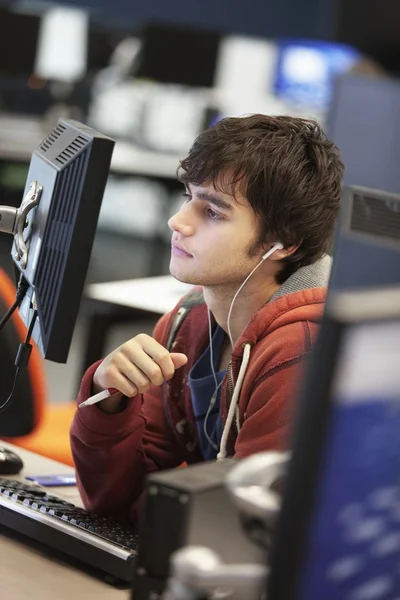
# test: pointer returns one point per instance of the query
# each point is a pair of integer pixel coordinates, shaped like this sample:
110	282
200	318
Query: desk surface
150	294
26	573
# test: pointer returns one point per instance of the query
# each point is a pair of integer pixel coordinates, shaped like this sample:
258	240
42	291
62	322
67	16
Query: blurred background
154	74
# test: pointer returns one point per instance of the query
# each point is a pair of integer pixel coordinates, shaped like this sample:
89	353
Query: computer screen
177	54
57	223
339	529
18	42
306	70
61	53
364	121
379	34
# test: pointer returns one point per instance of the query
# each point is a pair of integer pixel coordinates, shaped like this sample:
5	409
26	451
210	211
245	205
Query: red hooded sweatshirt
114	453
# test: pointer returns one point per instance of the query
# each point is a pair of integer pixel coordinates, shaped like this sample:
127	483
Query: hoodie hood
297	299
306	278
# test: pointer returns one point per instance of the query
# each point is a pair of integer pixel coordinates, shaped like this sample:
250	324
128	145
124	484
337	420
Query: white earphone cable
217	386
276	246
234	401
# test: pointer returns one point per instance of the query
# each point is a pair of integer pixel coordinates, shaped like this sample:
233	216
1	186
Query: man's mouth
177	250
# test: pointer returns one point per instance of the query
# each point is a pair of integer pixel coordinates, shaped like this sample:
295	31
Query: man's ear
284	252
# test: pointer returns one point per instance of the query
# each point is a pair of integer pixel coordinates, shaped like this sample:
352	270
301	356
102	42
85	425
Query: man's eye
187	197
214	216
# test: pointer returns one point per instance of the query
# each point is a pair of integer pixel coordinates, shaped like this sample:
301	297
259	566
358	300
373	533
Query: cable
233	301
21	291
22	358
233	408
8	314
217	386
235	398
211	349
30	330
276	246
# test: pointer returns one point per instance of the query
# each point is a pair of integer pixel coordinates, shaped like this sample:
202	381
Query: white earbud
275	247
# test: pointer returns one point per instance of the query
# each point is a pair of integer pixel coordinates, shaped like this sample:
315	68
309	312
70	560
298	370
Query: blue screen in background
306	70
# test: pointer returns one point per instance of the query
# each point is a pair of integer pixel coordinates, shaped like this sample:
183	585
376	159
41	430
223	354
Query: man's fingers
158	356
138	364
178	359
123	385
129	370
144	364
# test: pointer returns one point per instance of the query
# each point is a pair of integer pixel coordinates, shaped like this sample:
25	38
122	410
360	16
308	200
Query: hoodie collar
305	278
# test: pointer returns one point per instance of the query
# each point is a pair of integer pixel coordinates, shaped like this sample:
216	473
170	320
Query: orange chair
49	424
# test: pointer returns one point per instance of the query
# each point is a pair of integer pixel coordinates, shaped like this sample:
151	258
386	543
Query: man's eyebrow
214	199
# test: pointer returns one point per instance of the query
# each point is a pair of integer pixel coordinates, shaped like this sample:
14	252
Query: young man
262	196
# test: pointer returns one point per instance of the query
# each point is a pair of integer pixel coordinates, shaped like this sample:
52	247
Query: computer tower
188	506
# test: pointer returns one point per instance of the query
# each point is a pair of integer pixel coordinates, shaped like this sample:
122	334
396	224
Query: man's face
213	233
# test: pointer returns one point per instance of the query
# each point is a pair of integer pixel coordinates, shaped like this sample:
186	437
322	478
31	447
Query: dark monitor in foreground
339	528
339	531
54	230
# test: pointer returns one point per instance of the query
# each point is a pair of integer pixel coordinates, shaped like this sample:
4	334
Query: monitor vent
57	238
376	216
52	137
72	150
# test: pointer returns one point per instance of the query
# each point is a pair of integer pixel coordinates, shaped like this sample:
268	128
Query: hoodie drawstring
234	403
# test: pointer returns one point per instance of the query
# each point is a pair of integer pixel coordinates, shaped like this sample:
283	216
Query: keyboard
98	541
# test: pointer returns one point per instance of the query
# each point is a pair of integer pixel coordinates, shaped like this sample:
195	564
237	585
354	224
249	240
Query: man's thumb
178	359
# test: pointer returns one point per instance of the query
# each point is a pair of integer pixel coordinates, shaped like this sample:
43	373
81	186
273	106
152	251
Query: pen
98	397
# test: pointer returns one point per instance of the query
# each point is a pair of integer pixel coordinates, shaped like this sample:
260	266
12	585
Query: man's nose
181	222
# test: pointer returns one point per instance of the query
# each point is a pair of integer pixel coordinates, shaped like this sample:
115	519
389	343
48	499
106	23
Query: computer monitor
18	43
367	240
54	230
364	122
371	26
333	532
339	527
177	54
306	70
61	53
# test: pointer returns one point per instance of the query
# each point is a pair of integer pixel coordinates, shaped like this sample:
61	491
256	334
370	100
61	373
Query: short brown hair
289	171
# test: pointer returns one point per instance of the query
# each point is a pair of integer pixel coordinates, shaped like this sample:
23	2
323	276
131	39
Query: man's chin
179	275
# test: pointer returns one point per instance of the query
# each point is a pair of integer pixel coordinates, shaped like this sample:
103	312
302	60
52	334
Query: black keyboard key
55	511
60	503
37	493
18	496
51	509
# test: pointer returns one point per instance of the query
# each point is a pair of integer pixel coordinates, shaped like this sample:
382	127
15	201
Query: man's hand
133	368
